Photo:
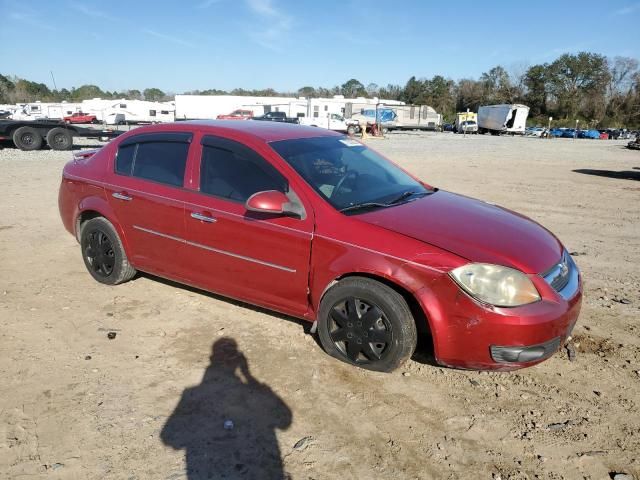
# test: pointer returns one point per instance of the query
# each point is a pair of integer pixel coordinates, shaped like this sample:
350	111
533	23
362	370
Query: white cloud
92	12
169	38
207	3
279	23
628	9
31	19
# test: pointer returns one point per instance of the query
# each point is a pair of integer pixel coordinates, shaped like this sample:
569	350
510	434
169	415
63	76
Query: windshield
346	173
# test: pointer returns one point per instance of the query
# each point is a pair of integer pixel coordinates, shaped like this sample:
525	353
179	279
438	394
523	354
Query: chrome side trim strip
241	257
163	235
216	250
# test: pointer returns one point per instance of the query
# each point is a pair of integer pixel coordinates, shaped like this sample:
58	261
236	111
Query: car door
260	258
146	196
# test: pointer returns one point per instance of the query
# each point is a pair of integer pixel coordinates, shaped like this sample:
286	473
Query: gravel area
78	403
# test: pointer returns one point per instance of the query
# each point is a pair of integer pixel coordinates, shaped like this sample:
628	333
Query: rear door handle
121	196
204	218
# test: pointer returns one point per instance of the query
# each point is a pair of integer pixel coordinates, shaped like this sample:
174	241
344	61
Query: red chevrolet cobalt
313	224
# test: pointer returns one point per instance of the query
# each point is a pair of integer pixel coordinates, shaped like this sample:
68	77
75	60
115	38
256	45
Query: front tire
103	253
366	323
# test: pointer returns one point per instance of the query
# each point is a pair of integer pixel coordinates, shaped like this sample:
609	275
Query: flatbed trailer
33	134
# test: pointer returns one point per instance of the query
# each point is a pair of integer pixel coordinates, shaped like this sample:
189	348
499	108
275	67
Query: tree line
589	87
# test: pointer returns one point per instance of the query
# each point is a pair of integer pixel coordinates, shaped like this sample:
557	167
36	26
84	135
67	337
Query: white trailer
496	119
113	112
416	117
395	117
203	107
41	110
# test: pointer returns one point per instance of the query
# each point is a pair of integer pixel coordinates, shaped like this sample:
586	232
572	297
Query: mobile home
129	111
39	110
396	117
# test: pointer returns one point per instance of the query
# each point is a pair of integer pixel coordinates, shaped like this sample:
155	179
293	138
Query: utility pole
55	87
465	124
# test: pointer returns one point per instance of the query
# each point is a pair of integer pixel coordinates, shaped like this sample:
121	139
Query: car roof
263	130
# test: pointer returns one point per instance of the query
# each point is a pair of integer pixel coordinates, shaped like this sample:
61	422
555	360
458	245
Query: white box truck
497	119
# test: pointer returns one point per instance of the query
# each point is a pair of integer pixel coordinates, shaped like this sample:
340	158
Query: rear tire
366	323
27	138
60	139
103	253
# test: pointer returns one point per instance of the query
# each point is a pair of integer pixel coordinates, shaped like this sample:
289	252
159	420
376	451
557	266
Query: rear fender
103	208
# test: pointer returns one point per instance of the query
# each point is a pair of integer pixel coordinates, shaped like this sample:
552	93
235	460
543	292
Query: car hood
475	230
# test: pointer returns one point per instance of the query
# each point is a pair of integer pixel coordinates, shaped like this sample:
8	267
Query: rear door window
124	159
160	158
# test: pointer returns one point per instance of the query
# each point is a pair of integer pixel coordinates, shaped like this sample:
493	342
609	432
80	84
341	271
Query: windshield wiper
405	195
360	206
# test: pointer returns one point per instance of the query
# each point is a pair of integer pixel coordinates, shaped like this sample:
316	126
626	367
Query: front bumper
472	335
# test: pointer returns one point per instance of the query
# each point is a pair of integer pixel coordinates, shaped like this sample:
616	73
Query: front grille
559	275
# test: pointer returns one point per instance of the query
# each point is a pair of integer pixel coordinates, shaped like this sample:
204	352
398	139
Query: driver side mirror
269	201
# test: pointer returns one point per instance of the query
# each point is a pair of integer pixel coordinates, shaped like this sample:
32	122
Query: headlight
496	285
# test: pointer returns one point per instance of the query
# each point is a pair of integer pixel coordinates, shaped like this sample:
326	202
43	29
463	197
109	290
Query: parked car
79	117
467	126
239	114
448	127
276	117
534	131
332	121
588	134
316	225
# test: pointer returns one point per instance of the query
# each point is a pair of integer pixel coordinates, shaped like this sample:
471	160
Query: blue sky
287	44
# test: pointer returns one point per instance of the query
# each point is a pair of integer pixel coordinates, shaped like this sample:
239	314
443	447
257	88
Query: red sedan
237	115
313	224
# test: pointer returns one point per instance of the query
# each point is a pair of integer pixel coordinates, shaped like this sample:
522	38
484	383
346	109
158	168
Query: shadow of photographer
227	424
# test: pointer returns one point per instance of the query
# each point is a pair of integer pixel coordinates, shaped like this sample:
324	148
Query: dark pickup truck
276	117
32	134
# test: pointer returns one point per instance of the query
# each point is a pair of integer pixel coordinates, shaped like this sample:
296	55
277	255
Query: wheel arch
419	316
93	207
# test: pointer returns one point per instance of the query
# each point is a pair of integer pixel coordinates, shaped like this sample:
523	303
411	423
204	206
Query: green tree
574	79
353	88
86	92
153	94
6	89
414	92
134	94
307	92
535	81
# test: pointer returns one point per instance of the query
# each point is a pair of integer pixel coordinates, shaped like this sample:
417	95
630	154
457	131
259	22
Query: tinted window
124	159
236	174
162	162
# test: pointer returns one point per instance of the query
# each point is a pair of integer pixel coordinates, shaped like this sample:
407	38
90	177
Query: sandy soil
77	405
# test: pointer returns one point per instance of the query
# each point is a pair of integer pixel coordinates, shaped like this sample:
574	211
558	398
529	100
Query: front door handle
121	196
204	218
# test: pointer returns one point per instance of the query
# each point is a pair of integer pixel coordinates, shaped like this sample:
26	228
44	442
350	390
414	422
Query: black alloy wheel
366	323
99	253
103	252
360	330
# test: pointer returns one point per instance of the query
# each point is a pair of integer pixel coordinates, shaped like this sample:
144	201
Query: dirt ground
151	403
